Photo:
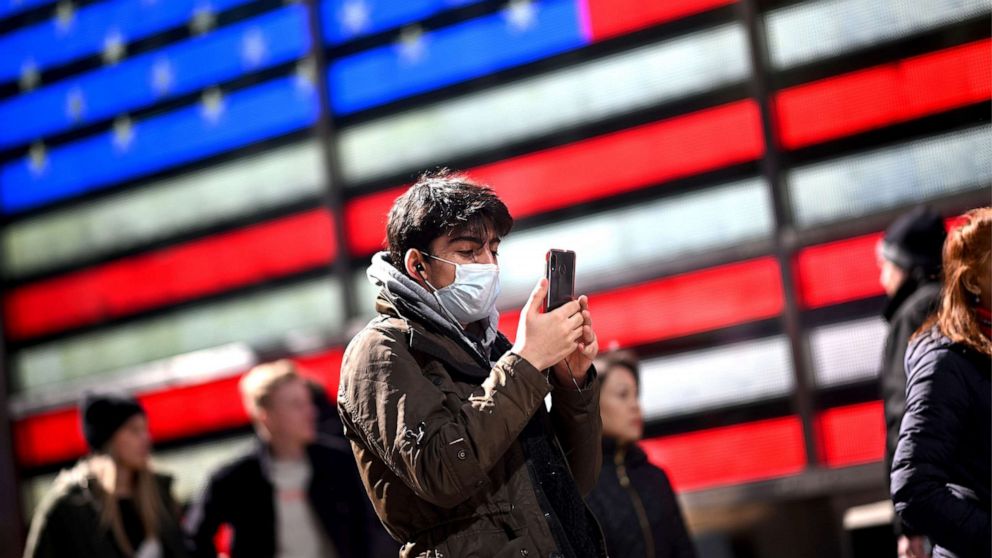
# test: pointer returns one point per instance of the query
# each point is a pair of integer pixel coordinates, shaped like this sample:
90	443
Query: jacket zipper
642	516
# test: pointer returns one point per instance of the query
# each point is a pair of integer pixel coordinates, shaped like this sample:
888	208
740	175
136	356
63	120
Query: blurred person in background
293	495
633	500
112	503
446	418
909	260
943	461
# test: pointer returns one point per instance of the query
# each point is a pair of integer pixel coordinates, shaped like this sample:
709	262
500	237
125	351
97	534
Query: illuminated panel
727	375
262	42
838	272
344	20
211	265
847	352
163	209
594	169
423	61
730	455
885	95
87	31
810	31
575	95
912	172
173	413
610	18
618	246
269	317
681	305
852	435
218	124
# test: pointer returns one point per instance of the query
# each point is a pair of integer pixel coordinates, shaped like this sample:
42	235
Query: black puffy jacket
637	508
943	462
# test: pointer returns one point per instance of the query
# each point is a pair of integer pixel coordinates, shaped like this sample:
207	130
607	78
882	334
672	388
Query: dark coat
906	311
637	508
67	521
943	462
241	495
460	457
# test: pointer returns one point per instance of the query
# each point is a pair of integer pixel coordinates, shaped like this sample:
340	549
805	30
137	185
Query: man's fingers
569	308
574	321
588	336
533	305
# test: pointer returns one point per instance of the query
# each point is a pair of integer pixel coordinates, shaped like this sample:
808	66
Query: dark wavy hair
440	203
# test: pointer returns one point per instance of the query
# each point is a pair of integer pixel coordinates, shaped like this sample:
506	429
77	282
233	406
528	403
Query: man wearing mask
909	258
446	418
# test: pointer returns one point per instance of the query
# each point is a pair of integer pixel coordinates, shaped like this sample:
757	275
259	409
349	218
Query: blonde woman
111	504
943	464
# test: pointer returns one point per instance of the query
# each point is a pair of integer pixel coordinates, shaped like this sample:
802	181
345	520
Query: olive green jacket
439	453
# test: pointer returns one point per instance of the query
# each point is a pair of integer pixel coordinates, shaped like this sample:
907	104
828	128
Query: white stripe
164	209
617	246
810	31
908	173
580	94
728	375
847	352
274	316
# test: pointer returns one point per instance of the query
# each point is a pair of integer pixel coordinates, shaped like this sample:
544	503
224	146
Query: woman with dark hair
633	499
111	504
943	463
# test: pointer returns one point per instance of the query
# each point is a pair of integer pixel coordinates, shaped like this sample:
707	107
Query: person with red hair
943	461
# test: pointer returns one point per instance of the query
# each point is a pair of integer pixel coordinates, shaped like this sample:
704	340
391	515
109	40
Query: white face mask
472	295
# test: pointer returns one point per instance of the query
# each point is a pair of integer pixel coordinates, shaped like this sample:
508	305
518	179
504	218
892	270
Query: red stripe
594	169
173	413
682	305
730	455
852	435
885	95
838	272
214	264
609	18
842	271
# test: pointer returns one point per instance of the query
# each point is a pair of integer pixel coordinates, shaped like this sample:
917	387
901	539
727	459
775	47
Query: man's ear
413	263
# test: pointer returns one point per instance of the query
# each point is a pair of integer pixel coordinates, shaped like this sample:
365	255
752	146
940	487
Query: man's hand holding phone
577	363
547	338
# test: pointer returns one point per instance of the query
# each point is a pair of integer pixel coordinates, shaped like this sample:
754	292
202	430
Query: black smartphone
559	268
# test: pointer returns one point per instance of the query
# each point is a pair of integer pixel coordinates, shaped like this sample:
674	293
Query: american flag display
190	187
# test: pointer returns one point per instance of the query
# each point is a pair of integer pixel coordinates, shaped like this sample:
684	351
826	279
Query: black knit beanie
915	241
103	414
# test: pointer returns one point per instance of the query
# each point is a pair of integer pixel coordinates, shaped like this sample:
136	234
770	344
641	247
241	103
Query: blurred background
189	187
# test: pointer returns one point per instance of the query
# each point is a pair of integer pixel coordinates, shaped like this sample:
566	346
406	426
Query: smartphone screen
560	272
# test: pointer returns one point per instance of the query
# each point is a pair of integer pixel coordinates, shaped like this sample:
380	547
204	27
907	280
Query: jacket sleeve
204	519
675	530
397	413
579	428
936	407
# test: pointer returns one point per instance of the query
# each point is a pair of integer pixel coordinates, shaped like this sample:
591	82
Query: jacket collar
630	454
898	300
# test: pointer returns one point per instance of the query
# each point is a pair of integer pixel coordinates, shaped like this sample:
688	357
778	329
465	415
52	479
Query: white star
306	74
38	159
30	76
123	134
163	76
354	17
65	17
114	47
212	105
203	20
411	46
253	47
75	104
520	15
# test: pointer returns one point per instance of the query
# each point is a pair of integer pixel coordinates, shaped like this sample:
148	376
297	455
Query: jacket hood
410	300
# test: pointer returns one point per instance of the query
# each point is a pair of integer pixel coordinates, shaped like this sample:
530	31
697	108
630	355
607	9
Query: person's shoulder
383	341
246	463
932	354
72	489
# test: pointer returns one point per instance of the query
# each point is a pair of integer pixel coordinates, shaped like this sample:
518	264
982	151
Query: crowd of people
454	441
